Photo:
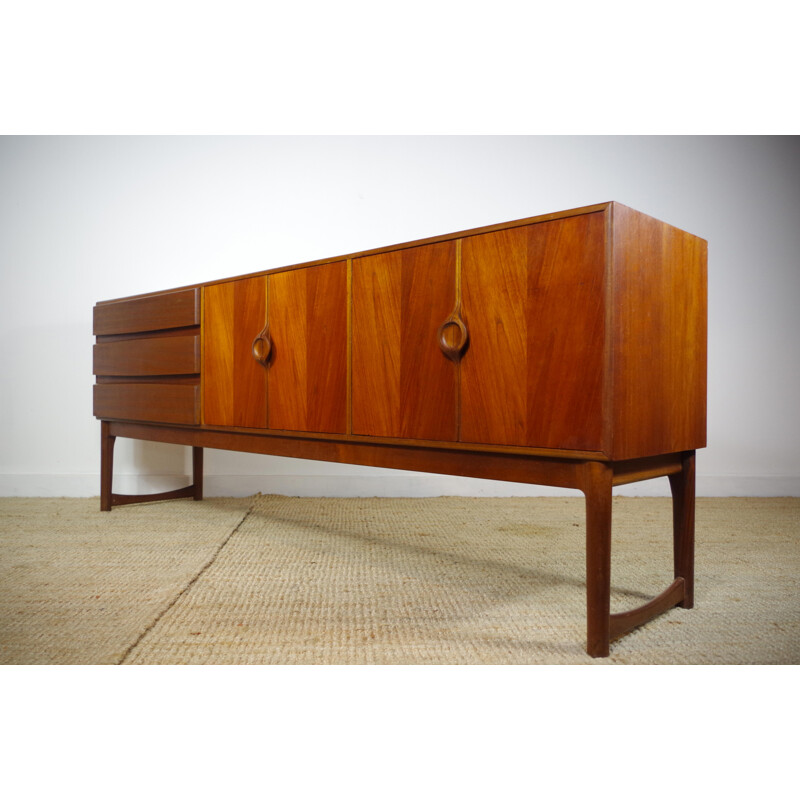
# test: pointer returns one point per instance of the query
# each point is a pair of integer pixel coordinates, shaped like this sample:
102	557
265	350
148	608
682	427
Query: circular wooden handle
262	348
453	351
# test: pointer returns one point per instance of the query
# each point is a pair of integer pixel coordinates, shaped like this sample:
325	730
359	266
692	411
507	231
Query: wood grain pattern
467	447
497	466
597	490
403	385
308	370
218	376
533	301
682	485
659	340
349	412
625	622
151	313
250	377
175	355
234	383
644	469
151	402
106	465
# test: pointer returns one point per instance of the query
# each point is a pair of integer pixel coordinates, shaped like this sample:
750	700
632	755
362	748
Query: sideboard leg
106	465
683	493
597	489
197	472
107	497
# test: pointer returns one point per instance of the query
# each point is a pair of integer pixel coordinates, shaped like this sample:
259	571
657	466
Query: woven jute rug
283	580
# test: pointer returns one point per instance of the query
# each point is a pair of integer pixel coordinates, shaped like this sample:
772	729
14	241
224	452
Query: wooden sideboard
567	349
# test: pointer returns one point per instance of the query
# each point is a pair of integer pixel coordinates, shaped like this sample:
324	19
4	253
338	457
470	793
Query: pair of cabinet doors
530	374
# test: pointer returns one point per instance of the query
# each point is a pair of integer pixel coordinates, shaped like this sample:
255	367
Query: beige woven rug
282	580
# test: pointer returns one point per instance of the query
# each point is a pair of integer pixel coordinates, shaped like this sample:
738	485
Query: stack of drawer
147	358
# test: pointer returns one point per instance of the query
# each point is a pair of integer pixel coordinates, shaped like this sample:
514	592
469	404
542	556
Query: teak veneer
566	350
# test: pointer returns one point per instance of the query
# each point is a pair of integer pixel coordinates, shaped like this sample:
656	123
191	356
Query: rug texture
286	580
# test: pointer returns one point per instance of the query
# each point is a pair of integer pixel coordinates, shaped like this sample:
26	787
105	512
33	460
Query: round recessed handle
262	348
453	349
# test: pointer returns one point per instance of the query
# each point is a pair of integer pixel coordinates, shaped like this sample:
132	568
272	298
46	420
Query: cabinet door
533	301
403	385
308	366
234	383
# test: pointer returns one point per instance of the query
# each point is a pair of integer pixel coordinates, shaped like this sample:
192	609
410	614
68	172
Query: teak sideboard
567	349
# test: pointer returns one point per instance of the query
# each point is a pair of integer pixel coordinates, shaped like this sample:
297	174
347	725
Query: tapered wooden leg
106	465
598	479
598	482
683	492
197	472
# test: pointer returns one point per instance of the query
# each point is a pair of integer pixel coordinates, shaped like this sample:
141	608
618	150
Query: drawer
148	402
154	313
166	355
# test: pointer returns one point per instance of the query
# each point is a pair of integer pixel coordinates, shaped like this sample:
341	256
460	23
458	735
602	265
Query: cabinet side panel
218	354
659	339
376	345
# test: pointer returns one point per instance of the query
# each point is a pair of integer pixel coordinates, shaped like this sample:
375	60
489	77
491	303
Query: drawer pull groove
453	335
262	347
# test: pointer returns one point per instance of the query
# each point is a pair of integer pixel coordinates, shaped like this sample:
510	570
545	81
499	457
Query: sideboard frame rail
594	477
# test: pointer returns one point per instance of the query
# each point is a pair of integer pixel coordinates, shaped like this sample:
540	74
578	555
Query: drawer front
156	313
174	355
147	402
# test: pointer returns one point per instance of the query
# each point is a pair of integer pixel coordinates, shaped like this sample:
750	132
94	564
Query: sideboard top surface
401	246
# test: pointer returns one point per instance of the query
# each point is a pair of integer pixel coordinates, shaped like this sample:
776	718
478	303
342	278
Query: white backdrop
84	219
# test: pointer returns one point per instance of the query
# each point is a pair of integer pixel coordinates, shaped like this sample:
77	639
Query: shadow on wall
149	466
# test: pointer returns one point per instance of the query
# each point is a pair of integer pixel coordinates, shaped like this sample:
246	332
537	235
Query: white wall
91	218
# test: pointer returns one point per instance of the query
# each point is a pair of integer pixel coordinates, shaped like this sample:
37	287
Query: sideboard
567	349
